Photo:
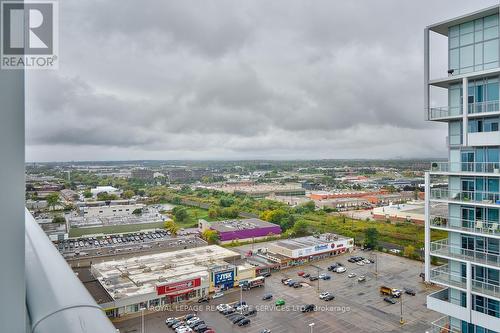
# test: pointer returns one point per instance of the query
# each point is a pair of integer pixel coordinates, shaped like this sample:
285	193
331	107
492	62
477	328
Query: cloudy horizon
237	80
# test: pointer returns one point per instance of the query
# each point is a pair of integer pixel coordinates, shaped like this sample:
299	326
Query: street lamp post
142	322
401	321
311	325
318	279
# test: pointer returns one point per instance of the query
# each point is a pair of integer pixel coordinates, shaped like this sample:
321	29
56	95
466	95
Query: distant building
241	230
107	189
142	174
179	175
69	195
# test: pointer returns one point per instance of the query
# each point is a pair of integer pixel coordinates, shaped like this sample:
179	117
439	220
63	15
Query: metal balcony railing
443	275
443	325
55	298
443	248
485	167
458	224
465	196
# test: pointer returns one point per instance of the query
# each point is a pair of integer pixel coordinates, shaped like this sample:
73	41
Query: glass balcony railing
443	275
482	107
486	288
443	325
485	167
458	224
465	196
444	112
443	248
436	113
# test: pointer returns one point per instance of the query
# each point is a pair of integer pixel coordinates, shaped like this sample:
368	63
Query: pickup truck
390	291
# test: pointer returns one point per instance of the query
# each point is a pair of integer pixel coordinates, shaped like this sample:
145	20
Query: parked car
222	307
267	297
409	291
362	278
389	300
326	277
237	319
308	308
306	275
280	302
285	280
189	316
351	275
300	273
297	285
329	298
313	278
340	269
203	299
250	312
265	331
217	295
324	294
266	275
244	322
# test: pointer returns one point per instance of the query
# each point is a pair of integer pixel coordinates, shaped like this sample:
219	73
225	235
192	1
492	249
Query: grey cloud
224	79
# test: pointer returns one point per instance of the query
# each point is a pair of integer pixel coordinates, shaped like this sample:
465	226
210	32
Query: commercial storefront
224	280
181	291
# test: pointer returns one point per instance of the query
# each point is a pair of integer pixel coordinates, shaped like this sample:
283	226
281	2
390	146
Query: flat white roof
140	275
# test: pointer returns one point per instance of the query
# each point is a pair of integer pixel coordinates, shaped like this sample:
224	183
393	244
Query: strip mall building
167	278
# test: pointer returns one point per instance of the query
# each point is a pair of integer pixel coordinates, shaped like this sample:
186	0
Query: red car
300	273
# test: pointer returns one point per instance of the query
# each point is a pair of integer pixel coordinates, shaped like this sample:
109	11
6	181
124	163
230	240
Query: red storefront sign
178	286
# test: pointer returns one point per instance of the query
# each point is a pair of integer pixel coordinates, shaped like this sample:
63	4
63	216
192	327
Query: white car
351	275
222	307
360	263
321	276
183	329
366	261
242	307
324	294
192	320
340	269
217	295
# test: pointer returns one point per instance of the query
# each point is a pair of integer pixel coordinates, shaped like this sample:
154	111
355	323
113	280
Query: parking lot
123	244
357	307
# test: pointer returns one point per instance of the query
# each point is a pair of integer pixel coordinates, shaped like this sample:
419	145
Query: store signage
320	247
178	286
223	277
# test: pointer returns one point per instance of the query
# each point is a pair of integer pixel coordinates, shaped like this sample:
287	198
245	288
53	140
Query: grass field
113	229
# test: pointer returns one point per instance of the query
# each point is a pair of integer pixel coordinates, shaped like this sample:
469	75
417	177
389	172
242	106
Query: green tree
226	201
230	212
87	194
180	214
128	194
214	212
301	228
211	236
409	251
371	237
172	227
59	219
53	200
137	211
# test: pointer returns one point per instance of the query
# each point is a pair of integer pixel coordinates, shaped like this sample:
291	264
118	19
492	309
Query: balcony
440	302
55	299
463	225
465	167
486	288
443	248
473	109
443	275
445	112
443	325
483	107
486	198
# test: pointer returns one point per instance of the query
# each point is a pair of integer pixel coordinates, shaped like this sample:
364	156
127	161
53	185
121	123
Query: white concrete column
427	237
465	107
469	288
426	73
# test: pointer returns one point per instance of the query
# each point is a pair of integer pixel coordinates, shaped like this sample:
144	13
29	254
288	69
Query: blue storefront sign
224	280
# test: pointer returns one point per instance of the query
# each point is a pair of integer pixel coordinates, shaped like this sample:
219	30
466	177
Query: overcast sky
237	80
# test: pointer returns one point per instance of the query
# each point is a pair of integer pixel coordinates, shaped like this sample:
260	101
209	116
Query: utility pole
318	285
401	321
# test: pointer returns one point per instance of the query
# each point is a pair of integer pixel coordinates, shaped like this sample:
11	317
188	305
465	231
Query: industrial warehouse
166	278
241	230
